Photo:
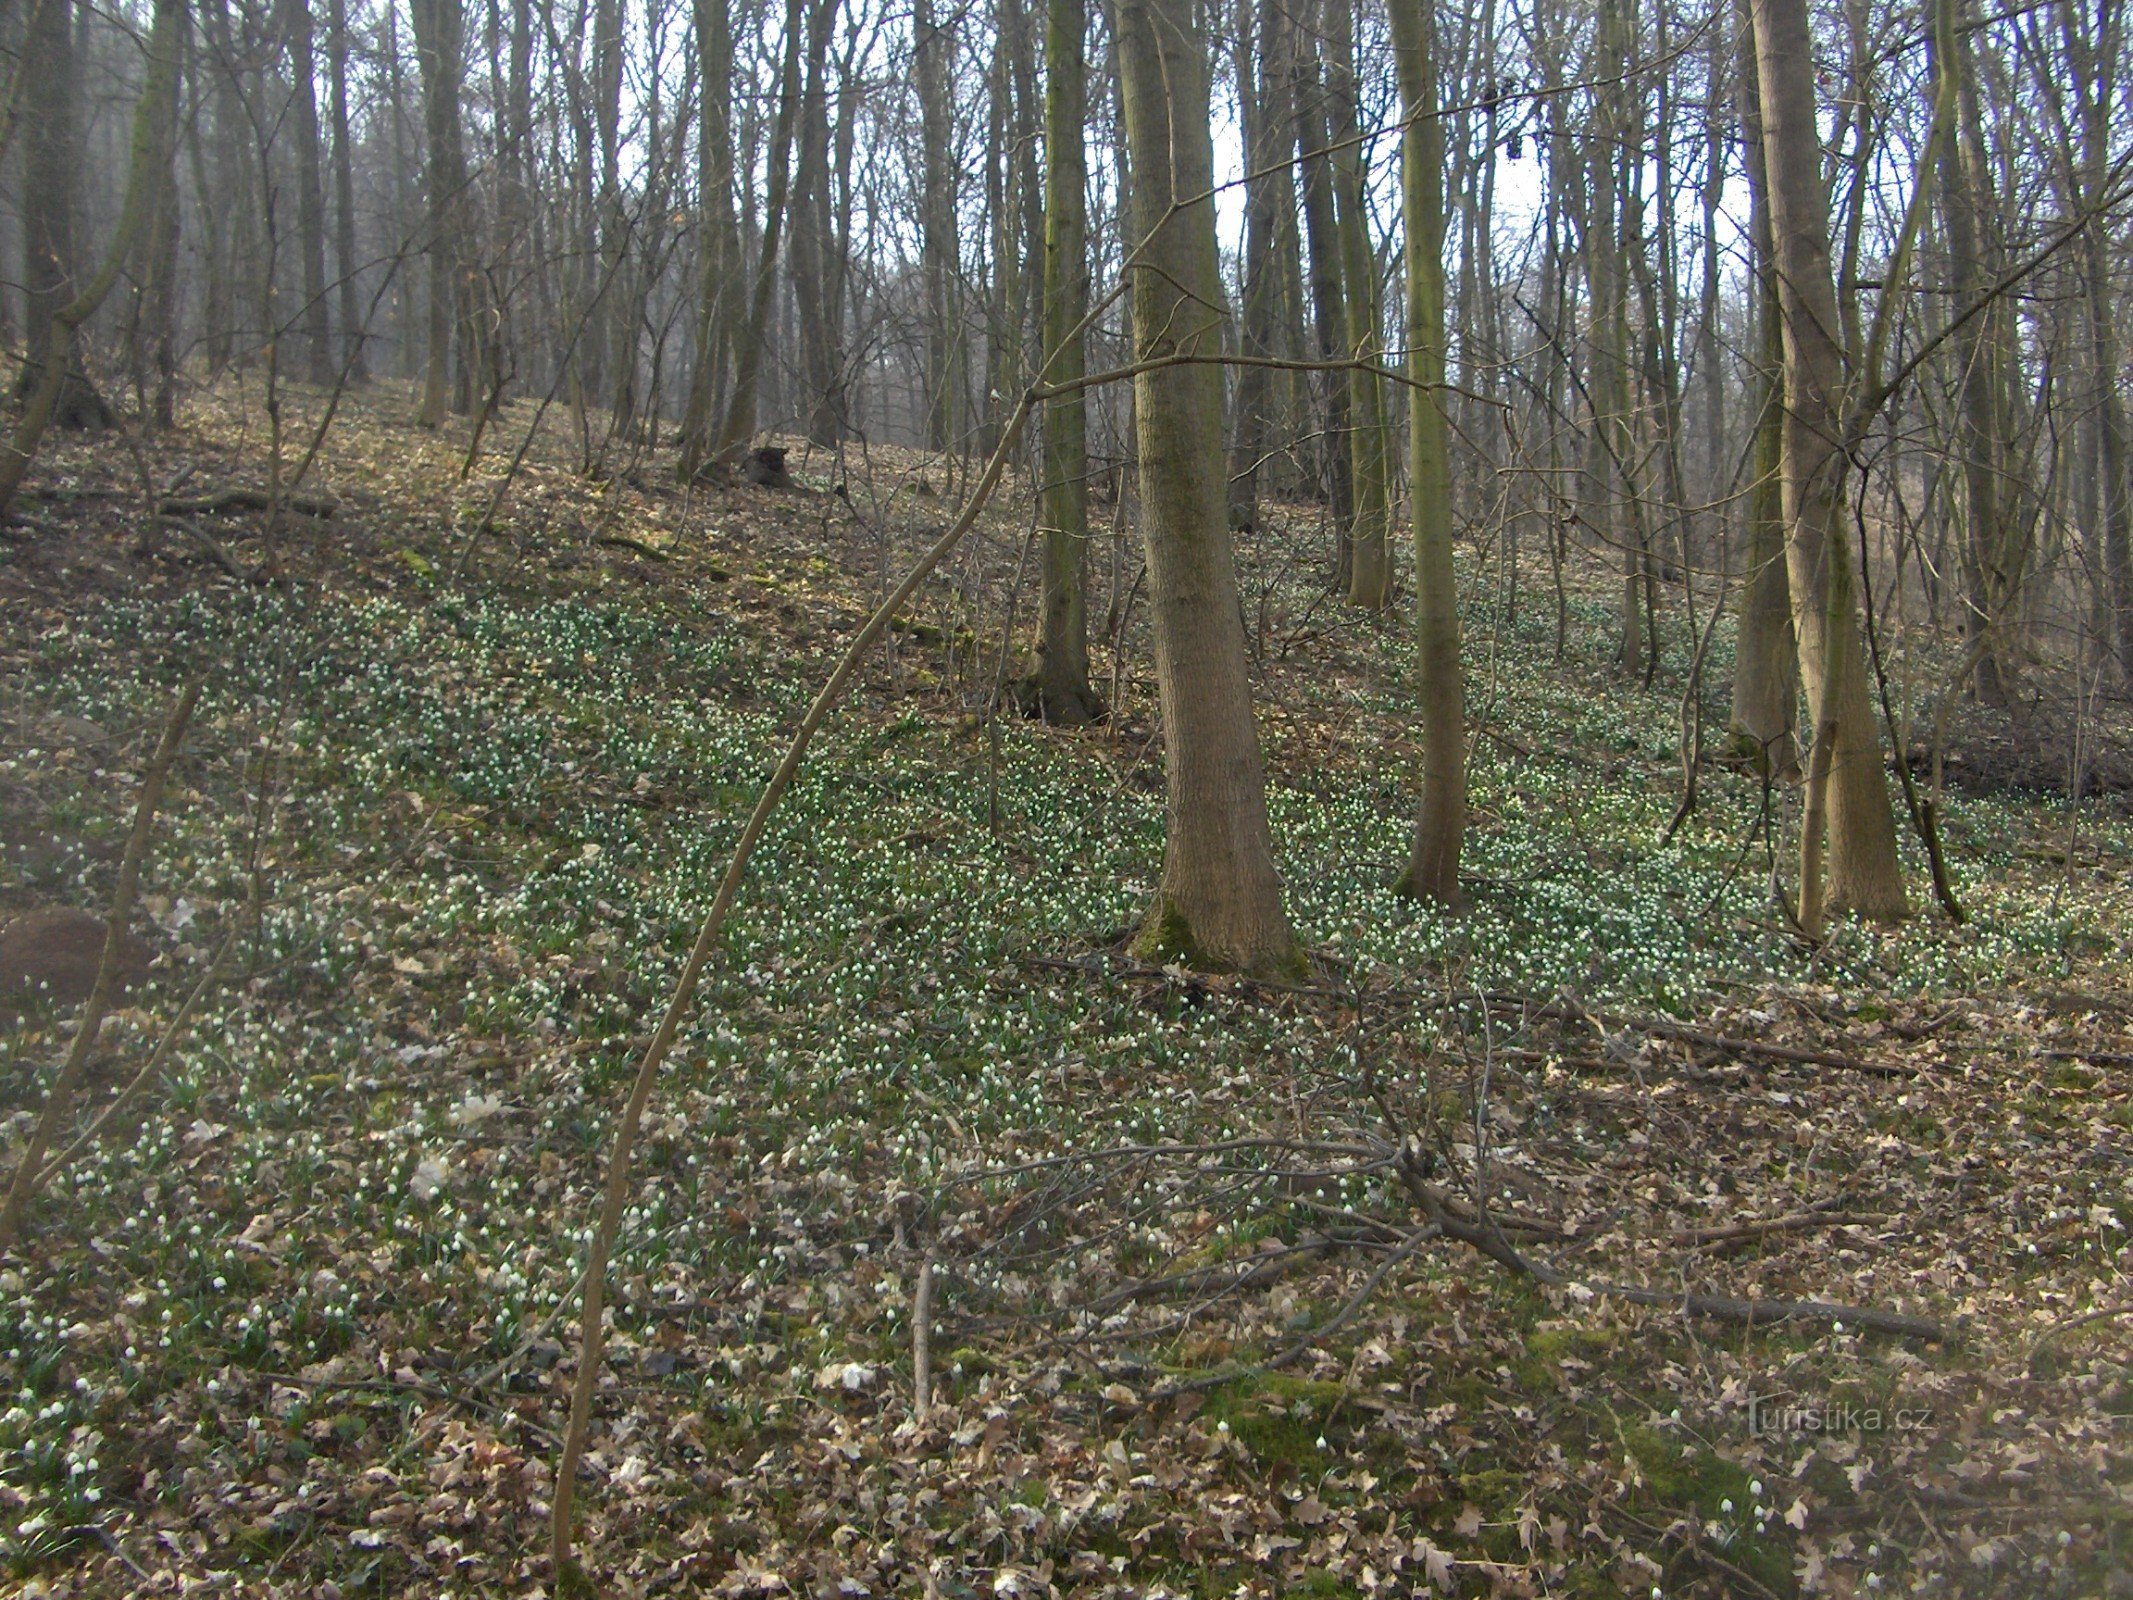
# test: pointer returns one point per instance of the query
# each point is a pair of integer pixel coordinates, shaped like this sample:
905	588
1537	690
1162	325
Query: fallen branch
431	1391
224	501
1793	1222
622	541
1721	1307
922	1342
1758	1049
214	548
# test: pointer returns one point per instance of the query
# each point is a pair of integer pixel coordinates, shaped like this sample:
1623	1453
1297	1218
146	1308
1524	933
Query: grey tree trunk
50	172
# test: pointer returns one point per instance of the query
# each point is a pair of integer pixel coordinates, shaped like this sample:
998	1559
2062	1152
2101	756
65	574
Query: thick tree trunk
51	178
1433	867
157	355
1057	688
2094	63
1219	905
1847	786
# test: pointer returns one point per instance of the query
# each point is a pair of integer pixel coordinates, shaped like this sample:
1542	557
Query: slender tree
1057	687
1440	830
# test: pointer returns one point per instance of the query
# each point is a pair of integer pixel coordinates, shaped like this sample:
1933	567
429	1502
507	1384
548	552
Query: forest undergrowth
454	798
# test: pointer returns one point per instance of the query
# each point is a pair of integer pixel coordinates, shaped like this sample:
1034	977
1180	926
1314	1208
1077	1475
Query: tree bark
1765	712
1846	785
1329	315
719	250
821	350
1057	687
1370	582
737	426
297	43
933	67
1263	65
1440	830
344	222
439	46
148	167
1219	905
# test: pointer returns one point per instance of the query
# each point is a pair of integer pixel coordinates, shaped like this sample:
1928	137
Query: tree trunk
344	223
1847	785
1990	578
51	178
1433	867
737	427
297	42
2094	74
1264	33
1765	716
1329	315
1370	583
1219	904
821	351
158	331
720	254
147	170
933	67
1057	688
439	41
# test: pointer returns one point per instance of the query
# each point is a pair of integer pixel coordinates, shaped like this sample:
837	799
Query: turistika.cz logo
1772	1415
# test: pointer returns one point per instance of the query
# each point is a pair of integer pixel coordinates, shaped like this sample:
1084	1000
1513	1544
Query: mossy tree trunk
1219	905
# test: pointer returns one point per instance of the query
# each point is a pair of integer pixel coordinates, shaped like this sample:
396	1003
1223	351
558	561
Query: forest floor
443	828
